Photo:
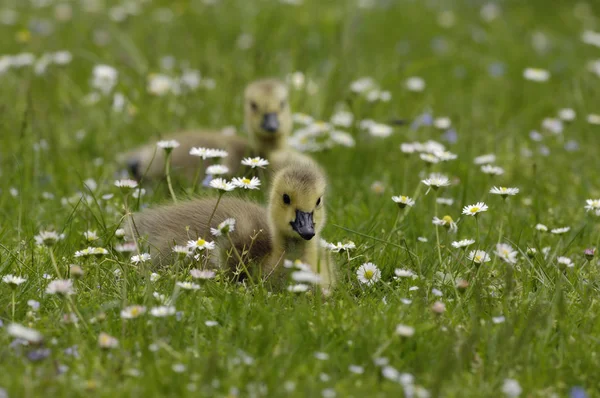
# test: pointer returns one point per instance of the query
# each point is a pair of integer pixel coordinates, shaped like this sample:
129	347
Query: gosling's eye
286	199
318	202
253	106
283	104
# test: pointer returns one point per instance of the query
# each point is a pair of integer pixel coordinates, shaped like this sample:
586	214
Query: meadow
489	94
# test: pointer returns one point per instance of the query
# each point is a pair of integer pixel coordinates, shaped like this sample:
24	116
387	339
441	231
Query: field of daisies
460	141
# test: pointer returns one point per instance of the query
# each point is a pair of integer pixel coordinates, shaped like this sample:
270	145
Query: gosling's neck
294	248
265	145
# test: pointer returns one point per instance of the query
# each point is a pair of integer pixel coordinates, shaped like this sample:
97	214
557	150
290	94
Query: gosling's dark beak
270	122
304	225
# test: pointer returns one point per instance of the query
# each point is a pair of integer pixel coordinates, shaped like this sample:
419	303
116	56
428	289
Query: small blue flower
578	392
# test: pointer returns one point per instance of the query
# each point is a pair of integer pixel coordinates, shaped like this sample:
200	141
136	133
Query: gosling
267	118
288	229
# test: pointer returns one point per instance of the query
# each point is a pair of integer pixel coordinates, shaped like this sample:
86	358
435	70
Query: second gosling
288	229
267	119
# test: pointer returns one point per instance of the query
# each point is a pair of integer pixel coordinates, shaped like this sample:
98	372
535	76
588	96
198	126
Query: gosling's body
289	229
267	119
148	161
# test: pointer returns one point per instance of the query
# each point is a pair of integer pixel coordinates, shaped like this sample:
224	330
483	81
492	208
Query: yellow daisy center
478	258
200	242
404	198
368	274
448	220
245	181
474	209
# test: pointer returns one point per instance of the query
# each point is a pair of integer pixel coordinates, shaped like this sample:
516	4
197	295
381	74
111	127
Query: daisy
126	184
445	201
429	158
368	274
403	201
224	228
90	251
511	388
126	247
589	253
473	210
255	162
407	148
246	183
492	170
141	258
531	252
154	277
560	231
341	247
200	244
298	288
442	123
188	285
120	233
306	276
211	324
180	250
504	192
541	228
216	169
208	153
342	118
554	126
593	205
132	311
162	311
565	262
479	256
536	75
506	253
461	244
380	130
404	273
485	159
415	84
567	114
202	274
168	145
13	280
356	369
445	156
107	341
222	184
24	333
91	236
446	222
436	181
405	331
60	287
593	119
498	319
438	307
47	238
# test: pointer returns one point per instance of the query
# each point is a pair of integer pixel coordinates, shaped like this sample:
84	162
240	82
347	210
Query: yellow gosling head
267	111
296	206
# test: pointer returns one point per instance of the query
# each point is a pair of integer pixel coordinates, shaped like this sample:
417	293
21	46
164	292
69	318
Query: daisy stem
197	176
437	232
76	311
168	174
237	255
213	213
13	304
53	259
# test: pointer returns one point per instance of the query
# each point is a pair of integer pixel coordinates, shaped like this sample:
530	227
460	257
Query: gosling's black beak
304	225
270	122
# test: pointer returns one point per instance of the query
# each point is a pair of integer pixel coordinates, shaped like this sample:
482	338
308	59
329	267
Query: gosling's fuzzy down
289	228
267	119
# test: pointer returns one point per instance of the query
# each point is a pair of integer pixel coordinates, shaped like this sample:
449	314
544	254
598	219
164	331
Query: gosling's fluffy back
149	160
166	226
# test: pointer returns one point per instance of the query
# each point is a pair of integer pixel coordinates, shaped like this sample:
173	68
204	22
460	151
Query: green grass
266	341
